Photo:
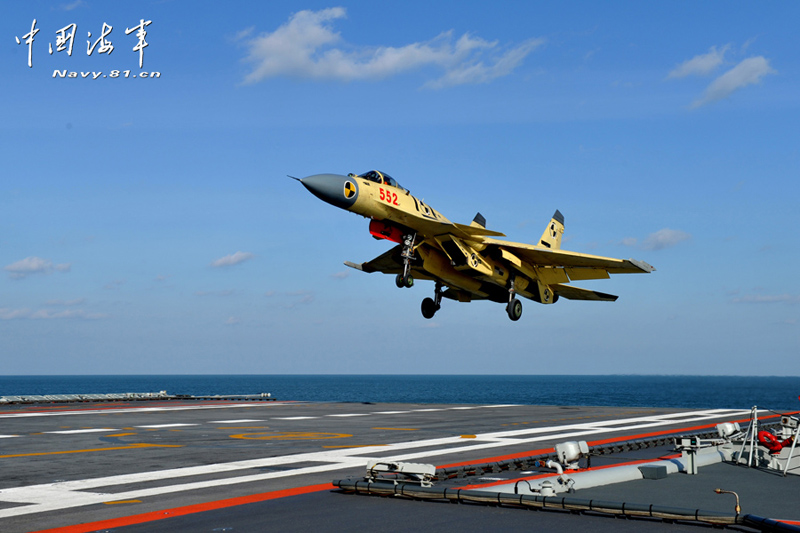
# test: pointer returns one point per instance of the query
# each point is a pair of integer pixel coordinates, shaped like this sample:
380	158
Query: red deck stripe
188	509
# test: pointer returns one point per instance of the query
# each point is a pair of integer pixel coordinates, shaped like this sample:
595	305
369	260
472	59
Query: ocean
737	392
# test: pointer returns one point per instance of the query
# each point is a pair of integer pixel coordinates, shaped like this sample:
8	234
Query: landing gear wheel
404	281
429	308
514	309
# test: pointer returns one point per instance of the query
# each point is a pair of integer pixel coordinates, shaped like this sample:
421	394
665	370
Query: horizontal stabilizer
357	266
388	262
576	293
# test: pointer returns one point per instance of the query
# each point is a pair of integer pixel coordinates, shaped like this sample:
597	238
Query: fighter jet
466	262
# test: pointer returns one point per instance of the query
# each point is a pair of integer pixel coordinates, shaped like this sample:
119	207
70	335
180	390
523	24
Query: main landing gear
404	279
431	305
514	307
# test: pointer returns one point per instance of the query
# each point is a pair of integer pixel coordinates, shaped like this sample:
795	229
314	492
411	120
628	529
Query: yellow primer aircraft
468	260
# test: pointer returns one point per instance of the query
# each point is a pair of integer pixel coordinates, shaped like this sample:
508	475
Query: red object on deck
771	442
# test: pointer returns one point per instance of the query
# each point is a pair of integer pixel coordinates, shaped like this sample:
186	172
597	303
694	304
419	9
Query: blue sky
147	225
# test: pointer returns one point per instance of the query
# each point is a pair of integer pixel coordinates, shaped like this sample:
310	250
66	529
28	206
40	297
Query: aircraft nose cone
341	191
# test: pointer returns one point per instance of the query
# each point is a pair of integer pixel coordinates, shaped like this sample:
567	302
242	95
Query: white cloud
34	265
114	285
11	314
747	72
48	314
341	275
300	297
232	321
243	34
233	259
73	5
664	238
307	47
700	65
225	292
768	299
65	303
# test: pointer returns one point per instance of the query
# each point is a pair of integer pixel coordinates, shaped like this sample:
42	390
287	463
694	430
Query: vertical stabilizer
551	238
478	221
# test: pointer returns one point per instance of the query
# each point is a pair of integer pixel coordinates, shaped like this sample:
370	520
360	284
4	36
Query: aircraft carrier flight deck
232	465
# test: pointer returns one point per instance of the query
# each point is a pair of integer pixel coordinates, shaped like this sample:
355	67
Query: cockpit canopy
381	177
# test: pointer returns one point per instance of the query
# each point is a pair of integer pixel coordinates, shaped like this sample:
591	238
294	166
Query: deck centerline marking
239	421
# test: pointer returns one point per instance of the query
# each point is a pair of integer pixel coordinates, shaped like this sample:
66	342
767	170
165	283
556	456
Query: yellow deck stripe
131	447
356	446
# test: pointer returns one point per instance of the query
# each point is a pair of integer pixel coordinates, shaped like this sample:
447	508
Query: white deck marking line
432	409
75	431
159	426
71	494
144	409
294	418
240	421
8	436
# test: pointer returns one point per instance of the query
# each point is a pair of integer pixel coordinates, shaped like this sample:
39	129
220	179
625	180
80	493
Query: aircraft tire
514	309
429	308
404	281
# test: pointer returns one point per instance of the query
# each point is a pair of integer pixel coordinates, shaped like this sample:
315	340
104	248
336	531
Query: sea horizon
634	390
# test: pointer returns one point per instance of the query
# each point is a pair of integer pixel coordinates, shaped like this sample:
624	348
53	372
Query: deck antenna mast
750	436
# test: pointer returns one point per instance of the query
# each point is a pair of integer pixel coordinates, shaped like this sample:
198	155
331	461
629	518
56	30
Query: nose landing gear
404	279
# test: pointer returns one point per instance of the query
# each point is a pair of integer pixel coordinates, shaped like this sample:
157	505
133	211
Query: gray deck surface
68	464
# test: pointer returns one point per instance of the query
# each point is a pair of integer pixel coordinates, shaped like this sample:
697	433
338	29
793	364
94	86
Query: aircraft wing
474	231
576	293
388	262
576	265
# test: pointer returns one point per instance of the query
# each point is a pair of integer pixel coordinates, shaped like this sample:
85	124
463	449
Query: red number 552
388	196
